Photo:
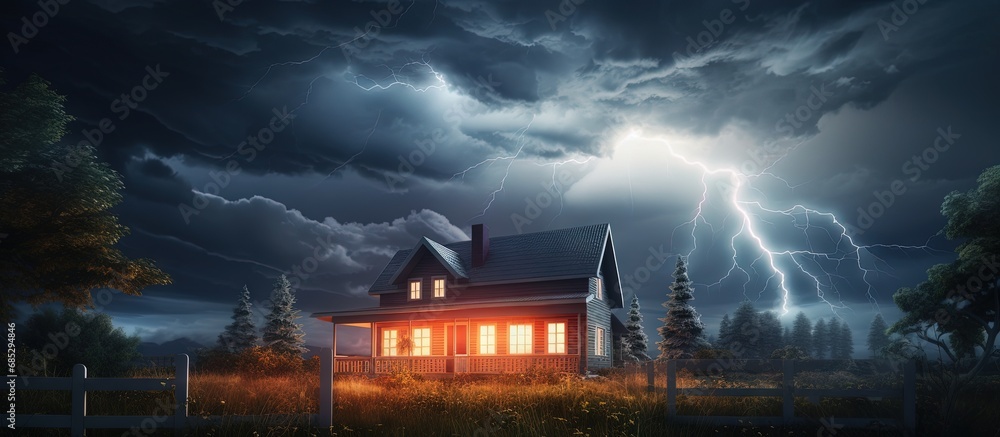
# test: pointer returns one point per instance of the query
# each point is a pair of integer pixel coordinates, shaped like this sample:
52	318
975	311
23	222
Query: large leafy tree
241	334
682	332
281	333
878	339
57	231
54	342
635	341
957	309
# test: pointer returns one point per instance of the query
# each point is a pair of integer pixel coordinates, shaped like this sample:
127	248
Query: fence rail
787	392
78	385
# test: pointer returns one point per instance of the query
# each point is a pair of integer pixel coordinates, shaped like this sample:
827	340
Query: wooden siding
598	316
464	293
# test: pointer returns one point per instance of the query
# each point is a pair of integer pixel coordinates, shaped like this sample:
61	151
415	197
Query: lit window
389	343
438	287
520	339
557	338
421	341
600	289
599	343
488	339
415	289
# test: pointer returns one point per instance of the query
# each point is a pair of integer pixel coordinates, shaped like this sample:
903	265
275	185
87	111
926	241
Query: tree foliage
54	342
241	334
878	339
281	333
58	232
745	332
635	342
770	333
802	333
682	332
821	339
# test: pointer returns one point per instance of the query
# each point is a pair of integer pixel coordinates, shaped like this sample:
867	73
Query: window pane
421	341
557	338
389	343
414	290
520	339
488	339
439	287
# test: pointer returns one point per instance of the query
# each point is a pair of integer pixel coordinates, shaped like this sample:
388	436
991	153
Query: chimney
480	244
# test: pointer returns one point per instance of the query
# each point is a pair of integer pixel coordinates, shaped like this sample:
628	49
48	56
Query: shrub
255	361
789	353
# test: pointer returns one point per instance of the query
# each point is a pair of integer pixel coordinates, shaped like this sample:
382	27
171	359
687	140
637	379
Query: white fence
78	385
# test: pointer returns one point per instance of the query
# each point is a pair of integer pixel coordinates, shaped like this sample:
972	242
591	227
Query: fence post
671	388
910	397
79	400
181	369
650	377
788	391
325	417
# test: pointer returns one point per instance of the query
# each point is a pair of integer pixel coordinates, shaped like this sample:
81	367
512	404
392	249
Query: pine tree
745	333
833	336
635	341
725	338
281	333
846	347
802	333
821	346
682	330
878	340
770	334
241	333
786	337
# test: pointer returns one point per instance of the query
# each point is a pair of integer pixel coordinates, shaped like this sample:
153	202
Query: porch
456	364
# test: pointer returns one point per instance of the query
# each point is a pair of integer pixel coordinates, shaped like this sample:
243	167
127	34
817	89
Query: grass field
538	404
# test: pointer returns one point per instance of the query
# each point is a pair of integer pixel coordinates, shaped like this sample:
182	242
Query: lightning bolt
520	142
395	77
358	153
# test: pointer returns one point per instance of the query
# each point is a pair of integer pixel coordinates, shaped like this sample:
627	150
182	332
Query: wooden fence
78	420
787	392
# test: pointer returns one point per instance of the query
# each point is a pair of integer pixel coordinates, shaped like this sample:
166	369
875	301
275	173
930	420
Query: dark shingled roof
557	254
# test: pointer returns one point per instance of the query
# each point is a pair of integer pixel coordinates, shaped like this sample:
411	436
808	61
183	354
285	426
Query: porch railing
475	364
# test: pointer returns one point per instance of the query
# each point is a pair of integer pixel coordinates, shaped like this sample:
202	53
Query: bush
255	361
789	353
55	342
711	354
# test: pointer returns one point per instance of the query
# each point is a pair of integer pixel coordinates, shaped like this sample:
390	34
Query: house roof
501	302
579	252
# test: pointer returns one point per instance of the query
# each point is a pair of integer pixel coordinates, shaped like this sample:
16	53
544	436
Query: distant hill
181	345
313	350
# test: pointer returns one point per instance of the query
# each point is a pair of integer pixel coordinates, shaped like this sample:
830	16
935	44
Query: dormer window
600	289
438	287
415	289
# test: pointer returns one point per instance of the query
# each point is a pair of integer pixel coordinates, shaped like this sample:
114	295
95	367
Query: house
490	305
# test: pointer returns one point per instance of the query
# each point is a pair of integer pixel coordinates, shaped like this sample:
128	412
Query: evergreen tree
821	345
682	330
786	337
281	333
745	332
846	346
635	341
725	338
834	332
878	340
802	333
241	334
770	334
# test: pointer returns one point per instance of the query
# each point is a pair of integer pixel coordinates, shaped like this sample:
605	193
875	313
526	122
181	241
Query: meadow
531	404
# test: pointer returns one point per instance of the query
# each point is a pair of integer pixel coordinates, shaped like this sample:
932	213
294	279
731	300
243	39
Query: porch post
371	369
581	341
333	348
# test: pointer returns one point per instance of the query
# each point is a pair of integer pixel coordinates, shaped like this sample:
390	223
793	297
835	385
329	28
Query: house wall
439	342
598	316
461	294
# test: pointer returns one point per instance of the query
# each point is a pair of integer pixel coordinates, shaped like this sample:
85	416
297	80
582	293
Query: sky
798	153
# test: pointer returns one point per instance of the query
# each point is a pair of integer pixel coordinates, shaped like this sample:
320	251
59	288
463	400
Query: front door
458	345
